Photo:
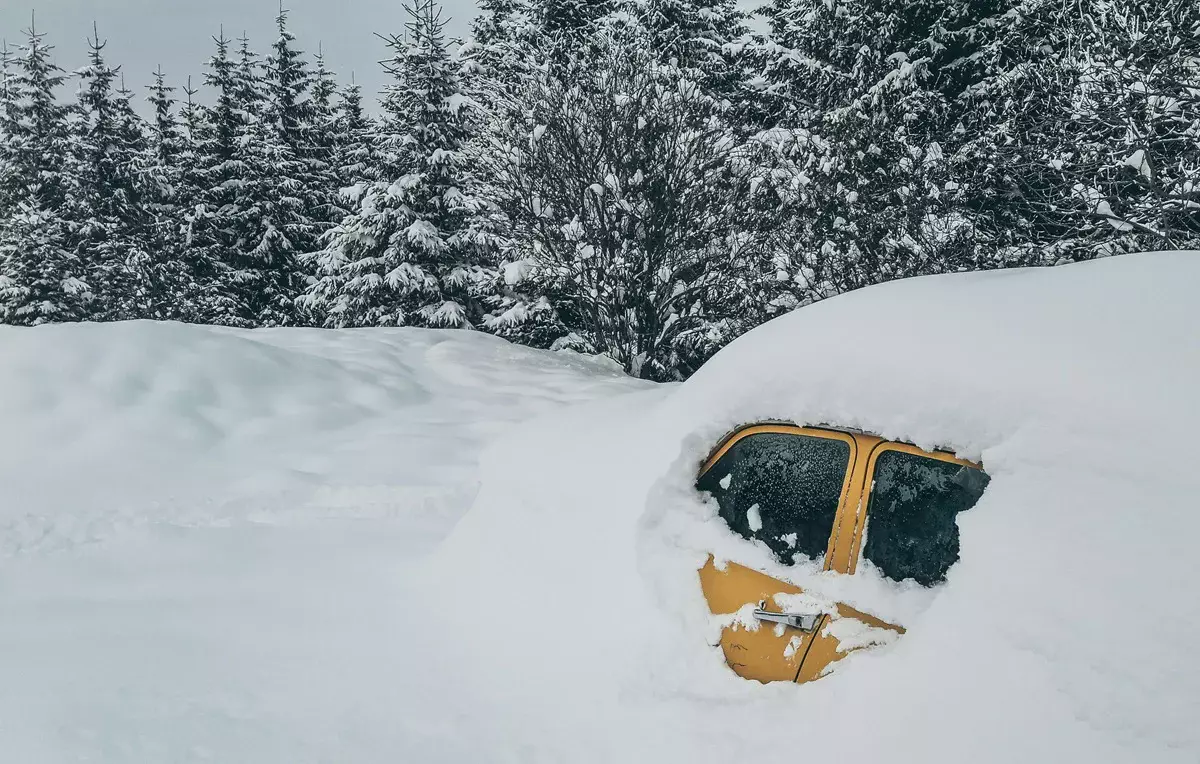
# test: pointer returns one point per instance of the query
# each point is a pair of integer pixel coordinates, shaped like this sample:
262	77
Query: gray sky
177	33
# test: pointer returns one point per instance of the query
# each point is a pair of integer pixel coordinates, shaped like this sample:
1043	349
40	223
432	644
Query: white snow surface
394	545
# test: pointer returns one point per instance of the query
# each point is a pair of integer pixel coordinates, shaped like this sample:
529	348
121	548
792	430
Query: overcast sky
178	34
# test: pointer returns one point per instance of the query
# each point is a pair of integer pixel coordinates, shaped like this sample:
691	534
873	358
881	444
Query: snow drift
206	534
406	546
1065	632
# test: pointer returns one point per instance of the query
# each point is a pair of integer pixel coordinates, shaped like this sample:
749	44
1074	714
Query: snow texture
1065	633
295	546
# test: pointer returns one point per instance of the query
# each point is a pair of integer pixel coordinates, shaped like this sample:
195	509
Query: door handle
801	621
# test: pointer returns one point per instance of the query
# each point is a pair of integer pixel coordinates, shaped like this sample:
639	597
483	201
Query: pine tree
10	130
410	253
215	185
872	95
104	208
41	279
1088	137
500	52
166	286
204	294
694	34
267	214
357	159
321	132
321	152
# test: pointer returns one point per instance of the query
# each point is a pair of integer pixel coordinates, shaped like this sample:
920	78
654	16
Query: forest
642	179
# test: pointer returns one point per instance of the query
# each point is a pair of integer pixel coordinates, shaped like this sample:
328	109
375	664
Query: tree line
646	179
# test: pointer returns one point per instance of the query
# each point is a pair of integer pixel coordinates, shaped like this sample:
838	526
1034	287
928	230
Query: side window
911	528
782	489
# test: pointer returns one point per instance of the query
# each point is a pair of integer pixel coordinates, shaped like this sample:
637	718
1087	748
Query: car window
782	489
911	526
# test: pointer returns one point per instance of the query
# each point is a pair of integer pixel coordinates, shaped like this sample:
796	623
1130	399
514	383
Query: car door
896	510
786	487
906	504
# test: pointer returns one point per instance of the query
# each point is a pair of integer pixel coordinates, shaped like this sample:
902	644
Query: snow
1066	631
207	535
395	545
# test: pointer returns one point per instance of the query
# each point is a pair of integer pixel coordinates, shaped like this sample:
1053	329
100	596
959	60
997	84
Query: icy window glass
911	528
781	489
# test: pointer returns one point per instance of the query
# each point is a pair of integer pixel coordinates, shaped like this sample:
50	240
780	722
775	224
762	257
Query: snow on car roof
1065	632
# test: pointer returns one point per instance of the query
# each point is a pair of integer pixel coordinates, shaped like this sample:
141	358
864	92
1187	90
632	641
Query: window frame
862	519
843	517
851	520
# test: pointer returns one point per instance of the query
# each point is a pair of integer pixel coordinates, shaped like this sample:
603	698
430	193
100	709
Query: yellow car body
757	647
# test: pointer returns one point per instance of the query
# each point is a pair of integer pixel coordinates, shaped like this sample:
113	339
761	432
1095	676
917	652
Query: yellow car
834	496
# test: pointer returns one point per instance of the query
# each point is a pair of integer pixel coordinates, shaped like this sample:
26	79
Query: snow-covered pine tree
215	183
104	208
292	182
500	52
204	295
10	192
268	211
213	133
167	285
412	253
871	134
320	151
697	35
356	160
39	132
41	279
566	28
1093	140
140	263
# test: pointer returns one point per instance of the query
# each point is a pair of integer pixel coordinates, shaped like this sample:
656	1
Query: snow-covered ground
207	536
404	546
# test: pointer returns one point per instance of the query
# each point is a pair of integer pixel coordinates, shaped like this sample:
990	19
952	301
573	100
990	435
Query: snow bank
256	546
576	630
207	536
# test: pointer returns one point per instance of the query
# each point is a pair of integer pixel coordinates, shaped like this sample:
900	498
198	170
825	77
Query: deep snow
206	535
1067	631
231	546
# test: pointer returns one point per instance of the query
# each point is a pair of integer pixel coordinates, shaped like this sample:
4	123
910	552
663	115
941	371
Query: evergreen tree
41	278
410	253
268	207
10	129
695	34
215	185
167	286
105	208
1088	144
321	154
357	158
500	52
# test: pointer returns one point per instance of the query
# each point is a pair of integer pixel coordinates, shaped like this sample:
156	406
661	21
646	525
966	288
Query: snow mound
108	425
401	545
1066	631
207	536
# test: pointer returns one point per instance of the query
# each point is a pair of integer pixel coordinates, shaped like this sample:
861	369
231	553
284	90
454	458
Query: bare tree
624	180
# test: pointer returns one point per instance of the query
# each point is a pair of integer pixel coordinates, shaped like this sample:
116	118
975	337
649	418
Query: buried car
817	493
965	503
